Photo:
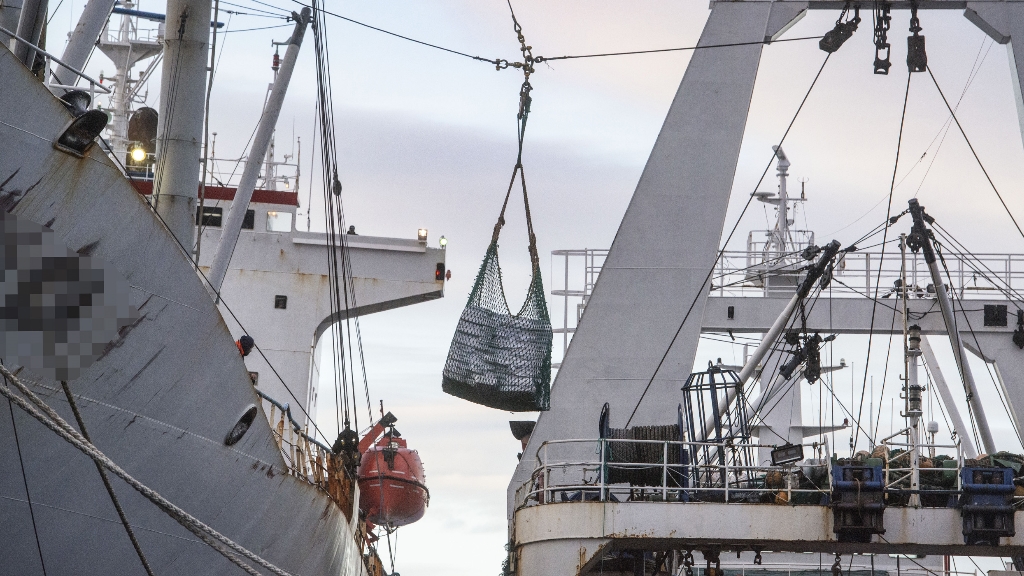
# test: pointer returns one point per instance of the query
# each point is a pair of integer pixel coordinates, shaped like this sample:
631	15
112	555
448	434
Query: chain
883	20
837	566
688	562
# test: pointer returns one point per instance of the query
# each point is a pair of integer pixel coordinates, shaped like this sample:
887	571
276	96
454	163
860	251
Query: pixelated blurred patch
59	309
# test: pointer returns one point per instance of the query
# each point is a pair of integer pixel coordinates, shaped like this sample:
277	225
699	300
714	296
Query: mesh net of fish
499	359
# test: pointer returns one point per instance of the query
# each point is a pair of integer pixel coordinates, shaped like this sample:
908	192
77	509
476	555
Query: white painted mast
939	381
83	39
182	104
264	133
30	27
781	236
988	443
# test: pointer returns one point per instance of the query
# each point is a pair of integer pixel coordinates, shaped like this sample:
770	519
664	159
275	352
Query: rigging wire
106	480
495	61
721	251
206	129
343	287
255	29
24	479
282	12
975	69
885	235
540	59
885	376
49	418
501	63
974	153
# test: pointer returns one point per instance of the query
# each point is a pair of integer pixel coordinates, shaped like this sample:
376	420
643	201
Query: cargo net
498	359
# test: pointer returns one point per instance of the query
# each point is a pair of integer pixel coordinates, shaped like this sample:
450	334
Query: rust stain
151	360
86	250
121	334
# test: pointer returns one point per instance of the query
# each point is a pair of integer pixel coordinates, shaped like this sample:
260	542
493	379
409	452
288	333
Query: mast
260	143
768	342
10	11
182	103
782	227
939	381
920	239
912	388
30	27
76	54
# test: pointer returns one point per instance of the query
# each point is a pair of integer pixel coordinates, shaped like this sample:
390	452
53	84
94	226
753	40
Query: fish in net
498	359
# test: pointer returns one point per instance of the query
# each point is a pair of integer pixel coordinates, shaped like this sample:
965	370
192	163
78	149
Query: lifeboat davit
391	483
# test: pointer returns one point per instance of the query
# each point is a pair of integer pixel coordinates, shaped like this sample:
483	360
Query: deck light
787	454
421	234
442	241
138	154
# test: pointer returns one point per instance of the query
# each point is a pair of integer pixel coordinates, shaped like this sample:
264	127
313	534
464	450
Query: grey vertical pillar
10	12
260	143
961	429
182	104
665	245
1004	23
83	39
30	27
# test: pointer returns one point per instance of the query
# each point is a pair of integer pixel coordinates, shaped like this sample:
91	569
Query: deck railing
308	458
578	470
583	470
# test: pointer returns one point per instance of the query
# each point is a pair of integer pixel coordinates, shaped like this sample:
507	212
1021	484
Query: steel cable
49	418
885	236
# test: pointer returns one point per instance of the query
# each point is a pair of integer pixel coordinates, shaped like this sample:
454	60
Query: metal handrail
728	478
93	83
296	427
711	477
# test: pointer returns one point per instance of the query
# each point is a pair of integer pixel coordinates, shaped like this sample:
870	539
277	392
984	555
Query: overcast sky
427	139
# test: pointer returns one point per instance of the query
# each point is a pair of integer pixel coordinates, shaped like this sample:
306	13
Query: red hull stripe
145	187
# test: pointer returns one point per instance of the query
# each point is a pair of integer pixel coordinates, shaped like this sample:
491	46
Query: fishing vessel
160	415
656	460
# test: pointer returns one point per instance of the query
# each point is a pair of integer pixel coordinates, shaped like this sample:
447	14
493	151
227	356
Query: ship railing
742	273
49	59
586	470
787	569
979	276
902	471
306	457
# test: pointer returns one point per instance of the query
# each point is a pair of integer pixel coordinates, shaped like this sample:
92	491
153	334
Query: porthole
241	427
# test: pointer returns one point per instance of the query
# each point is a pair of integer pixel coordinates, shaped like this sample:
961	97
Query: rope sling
499	359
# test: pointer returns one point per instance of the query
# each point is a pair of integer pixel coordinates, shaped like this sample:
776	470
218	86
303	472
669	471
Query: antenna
803	187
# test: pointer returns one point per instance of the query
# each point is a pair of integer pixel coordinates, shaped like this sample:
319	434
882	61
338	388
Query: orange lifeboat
391	481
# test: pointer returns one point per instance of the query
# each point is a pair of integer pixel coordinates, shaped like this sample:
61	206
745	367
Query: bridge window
249	222
279	221
212	216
